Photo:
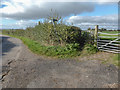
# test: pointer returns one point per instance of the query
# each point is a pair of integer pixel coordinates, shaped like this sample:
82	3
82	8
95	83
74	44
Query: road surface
23	69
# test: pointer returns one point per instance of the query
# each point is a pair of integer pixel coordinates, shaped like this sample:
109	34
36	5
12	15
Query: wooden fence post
96	35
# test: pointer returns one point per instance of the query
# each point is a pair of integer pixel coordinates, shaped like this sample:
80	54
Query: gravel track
23	69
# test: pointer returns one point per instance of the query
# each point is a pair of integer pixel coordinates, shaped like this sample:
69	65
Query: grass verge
113	59
53	51
67	51
89	50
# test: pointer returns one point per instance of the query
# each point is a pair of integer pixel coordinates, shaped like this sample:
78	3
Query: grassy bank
113	59
55	40
53	51
68	51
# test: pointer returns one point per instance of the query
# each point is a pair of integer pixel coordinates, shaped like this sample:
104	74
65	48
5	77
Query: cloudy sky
19	14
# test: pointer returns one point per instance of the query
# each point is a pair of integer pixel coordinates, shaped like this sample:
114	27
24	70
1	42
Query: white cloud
11	8
108	21
35	9
14	6
26	9
18	6
19	24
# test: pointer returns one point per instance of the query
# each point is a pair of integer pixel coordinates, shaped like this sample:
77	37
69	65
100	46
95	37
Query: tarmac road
23	69
11	48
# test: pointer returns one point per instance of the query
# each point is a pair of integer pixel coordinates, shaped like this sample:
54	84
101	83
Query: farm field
109	35
111	32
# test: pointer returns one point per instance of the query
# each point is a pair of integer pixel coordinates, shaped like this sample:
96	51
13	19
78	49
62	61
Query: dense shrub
67	42
57	34
50	35
54	38
91	49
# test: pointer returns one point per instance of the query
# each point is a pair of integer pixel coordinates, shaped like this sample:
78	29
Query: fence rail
106	37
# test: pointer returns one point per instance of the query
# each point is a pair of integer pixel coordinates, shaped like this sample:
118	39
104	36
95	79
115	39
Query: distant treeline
102	29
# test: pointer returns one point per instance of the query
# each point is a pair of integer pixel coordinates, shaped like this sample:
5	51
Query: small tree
103	29
39	23
89	28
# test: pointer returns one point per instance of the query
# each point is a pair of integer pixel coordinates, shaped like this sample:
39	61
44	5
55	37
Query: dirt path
28	70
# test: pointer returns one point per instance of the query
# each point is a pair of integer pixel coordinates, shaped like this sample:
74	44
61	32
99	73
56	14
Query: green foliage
69	41
18	32
90	49
109	32
39	23
69	50
54	38
102	29
113	59
48	34
89	28
86	38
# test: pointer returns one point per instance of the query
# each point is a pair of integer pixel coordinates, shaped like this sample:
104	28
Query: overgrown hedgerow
56	39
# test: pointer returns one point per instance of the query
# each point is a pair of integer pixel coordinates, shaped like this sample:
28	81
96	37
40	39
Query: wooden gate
108	41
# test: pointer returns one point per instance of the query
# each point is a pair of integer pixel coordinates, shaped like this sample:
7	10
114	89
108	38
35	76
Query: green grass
109	32
108	35
114	59
107	39
53	51
89	50
65	52
68	51
0	32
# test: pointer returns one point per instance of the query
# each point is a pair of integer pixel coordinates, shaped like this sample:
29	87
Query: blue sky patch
2	6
